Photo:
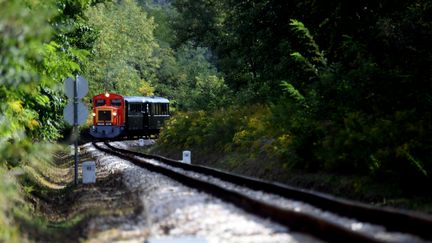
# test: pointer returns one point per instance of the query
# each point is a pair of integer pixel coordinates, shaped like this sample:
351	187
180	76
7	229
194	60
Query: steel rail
393	219
297	221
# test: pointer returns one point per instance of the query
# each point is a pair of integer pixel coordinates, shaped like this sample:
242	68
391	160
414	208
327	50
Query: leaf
292	92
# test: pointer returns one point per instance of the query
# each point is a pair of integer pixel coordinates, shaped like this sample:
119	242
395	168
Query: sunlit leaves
199	85
292	92
125	50
32	66
146	89
357	67
21	31
60	63
8	187
306	39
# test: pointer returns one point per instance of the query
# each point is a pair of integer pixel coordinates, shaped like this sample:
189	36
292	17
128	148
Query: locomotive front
108	116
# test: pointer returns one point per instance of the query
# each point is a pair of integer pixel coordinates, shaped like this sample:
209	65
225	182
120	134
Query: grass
56	210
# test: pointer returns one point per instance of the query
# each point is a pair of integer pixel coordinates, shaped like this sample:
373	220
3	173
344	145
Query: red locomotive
115	115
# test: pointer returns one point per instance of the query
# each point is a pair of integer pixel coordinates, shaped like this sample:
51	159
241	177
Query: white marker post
186	157
88	172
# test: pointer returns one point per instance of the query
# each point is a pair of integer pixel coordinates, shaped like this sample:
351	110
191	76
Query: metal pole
75	128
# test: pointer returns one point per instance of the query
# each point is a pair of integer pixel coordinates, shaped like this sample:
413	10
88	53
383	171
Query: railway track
401	222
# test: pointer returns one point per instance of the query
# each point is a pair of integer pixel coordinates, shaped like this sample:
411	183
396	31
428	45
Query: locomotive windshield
100	102
116	102
104	115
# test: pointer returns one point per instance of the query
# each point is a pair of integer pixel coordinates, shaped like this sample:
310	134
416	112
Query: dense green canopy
350	83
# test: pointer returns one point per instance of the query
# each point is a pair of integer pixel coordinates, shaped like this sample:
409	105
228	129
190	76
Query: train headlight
93	114
107	94
114	113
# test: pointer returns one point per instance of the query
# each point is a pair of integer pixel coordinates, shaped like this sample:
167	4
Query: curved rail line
397	220
392	219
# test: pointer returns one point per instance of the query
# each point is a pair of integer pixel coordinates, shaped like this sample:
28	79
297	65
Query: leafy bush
10	197
222	130
337	123
35	57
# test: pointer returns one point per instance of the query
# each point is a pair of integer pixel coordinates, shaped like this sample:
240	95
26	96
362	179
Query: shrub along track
391	219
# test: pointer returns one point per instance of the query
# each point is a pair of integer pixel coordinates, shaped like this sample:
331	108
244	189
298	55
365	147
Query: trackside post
75	113
186	157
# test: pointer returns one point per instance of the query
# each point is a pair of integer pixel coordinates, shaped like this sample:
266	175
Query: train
117	116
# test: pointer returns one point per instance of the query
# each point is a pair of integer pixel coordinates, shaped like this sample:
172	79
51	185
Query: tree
33	64
126	54
198	85
357	75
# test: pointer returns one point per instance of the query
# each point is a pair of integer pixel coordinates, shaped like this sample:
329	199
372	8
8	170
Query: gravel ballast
173	211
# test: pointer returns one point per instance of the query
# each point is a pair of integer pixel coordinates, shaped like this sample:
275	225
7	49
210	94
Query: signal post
75	113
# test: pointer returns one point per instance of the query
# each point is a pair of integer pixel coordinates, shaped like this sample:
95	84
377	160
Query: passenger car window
164	109
152	109
135	107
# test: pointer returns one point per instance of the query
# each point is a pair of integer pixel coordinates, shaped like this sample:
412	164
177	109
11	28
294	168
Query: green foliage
334	131
22	33
390	144
254	132
71	27
306	39
22	59
292	92
32	68
140	61
209	130
48	106
200	21
164	15
125	57
59	63
349	85
223	130
10	197
198	85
